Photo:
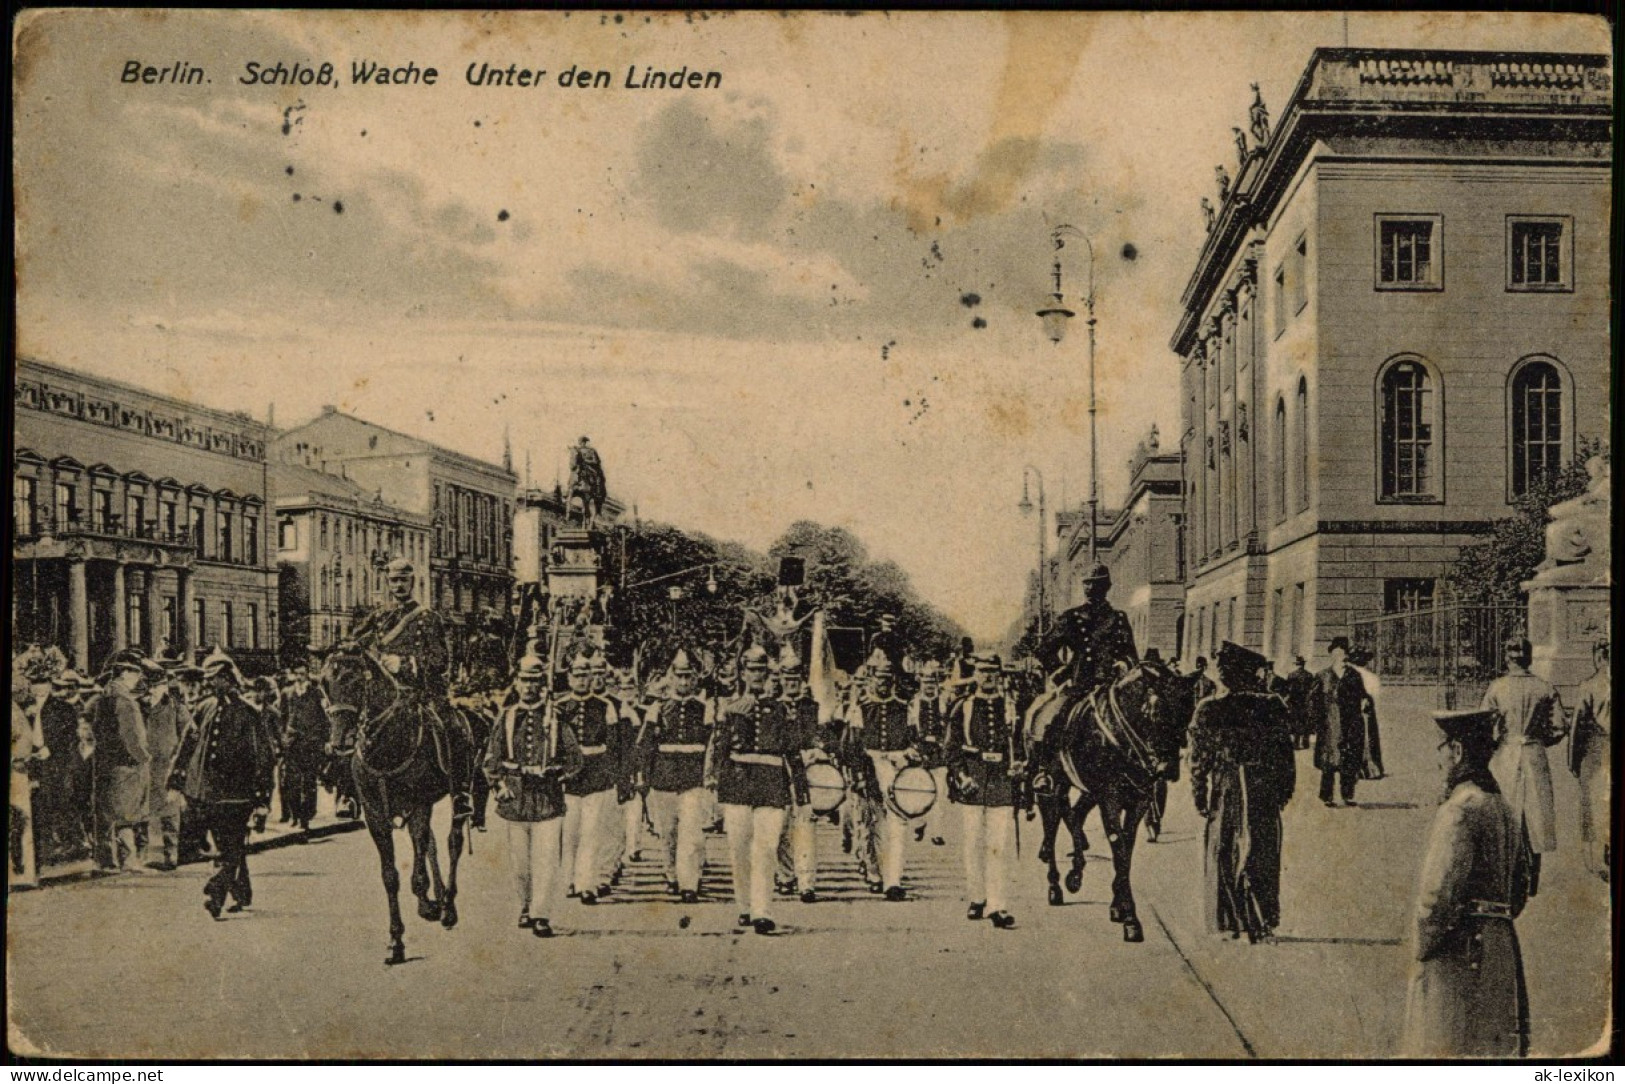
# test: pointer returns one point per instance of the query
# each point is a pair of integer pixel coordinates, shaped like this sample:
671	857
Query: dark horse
1112	748
397	777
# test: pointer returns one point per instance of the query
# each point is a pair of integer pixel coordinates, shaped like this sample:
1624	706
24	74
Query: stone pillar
1566	620
155	613
79	615
186	637
121	609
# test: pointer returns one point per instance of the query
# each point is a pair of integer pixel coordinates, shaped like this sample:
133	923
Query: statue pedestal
573	567
1566	619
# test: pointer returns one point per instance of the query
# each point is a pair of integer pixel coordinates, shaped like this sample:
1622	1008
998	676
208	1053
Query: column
79	615
185	635
155	613
121	609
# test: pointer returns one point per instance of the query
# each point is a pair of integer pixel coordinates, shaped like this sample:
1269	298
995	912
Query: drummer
986	754
880	725
927	714
798	857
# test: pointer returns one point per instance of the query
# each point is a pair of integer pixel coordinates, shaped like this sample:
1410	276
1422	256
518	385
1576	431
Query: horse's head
1150	694
354	688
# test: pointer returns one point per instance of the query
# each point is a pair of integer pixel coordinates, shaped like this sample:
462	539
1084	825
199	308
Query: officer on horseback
410	642
1097	634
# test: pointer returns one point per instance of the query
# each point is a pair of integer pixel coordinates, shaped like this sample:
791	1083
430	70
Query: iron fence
1458	648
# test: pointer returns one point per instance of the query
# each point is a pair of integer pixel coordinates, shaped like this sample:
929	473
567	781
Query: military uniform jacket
1466	995
756	753
227	756
814	726
598	729
418	636
1099	636
883	725
984	748
525	743
928	719
673	743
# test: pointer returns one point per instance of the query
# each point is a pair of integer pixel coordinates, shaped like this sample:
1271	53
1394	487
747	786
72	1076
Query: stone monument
1571	593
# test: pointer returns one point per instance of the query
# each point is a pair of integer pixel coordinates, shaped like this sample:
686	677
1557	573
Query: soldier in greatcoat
304	741
168	718
798	844
986	754
879	725
222	773
529	759
1590	760
1339	705
1466	993
671	748
755	766
1243	772
1531	718
121	764
590	793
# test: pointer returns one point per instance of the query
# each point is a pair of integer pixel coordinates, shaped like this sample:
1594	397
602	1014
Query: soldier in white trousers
527	760
879	725
798	853
671	754
986	754
590	795
928	714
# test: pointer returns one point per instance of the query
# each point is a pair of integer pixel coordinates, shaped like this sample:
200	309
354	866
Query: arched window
1281	460
1536	436
1303	443
1408	441
321	592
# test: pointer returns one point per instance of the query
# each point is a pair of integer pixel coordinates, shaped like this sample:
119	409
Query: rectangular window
1407	595
23	520
1295	636
251	539
222	543
169	619
199	536
1538	253
67	509
166	518
228	630
101	509
287	535
136	515
253	626
1280	300
1409	252
200	623
1300	274
1279	640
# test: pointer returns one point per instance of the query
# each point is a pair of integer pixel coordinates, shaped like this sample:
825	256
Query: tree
1491	569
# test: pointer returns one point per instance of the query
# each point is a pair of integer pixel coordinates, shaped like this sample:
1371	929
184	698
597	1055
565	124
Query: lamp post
1026	506
1055	317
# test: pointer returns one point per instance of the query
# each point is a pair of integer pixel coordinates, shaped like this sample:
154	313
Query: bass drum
913	792
826	788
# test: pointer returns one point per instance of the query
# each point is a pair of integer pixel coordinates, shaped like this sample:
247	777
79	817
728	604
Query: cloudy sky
806	294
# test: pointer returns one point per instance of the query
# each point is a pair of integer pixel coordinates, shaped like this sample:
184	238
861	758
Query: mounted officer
410	642
1097	634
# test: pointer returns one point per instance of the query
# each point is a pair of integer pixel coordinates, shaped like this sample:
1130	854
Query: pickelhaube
879	662
754	658
531	668
789	661
989	662
682	662
218	663
930	670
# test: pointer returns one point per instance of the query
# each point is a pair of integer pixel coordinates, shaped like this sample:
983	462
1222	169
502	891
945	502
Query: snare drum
826	788
913	792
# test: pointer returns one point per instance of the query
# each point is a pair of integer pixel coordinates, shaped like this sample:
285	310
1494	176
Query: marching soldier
411	643
880	726
529	759
754	763
1243	772
798	855
223	773
1531	718
671	749
928	716
625	839
986	755
590	794
1466	994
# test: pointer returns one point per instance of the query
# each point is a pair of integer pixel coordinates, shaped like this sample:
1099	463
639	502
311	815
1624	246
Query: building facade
137	520
1398	321
539	515
469	503
334	540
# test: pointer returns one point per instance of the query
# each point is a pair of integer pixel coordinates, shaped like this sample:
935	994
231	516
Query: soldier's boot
455	745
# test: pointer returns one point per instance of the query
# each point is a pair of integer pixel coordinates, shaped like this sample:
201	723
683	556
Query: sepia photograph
746	536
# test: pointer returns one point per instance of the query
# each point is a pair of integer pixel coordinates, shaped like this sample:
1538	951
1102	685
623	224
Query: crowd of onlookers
90	770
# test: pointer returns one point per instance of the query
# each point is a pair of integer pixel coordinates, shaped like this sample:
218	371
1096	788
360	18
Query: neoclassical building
137	520
1398	321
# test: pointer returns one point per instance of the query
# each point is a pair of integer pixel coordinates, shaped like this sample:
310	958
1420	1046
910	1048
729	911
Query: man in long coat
1243	773
64	777
1338	705
223	773
167	719
1300	691
1466	996
304	743
1531	718
121	764
1589	760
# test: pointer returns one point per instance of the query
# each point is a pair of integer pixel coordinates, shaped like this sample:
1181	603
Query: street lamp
675	593
1026	506
1055	317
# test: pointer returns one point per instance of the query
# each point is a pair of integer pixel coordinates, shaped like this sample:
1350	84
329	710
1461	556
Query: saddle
1119	731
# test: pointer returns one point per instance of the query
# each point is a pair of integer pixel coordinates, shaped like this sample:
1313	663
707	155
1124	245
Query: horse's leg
1123	816
383	838
1050	809
1072	815
417	822
454	852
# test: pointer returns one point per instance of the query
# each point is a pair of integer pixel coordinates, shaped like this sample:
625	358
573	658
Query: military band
672	744
798	844
590	794
878	727
985	755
